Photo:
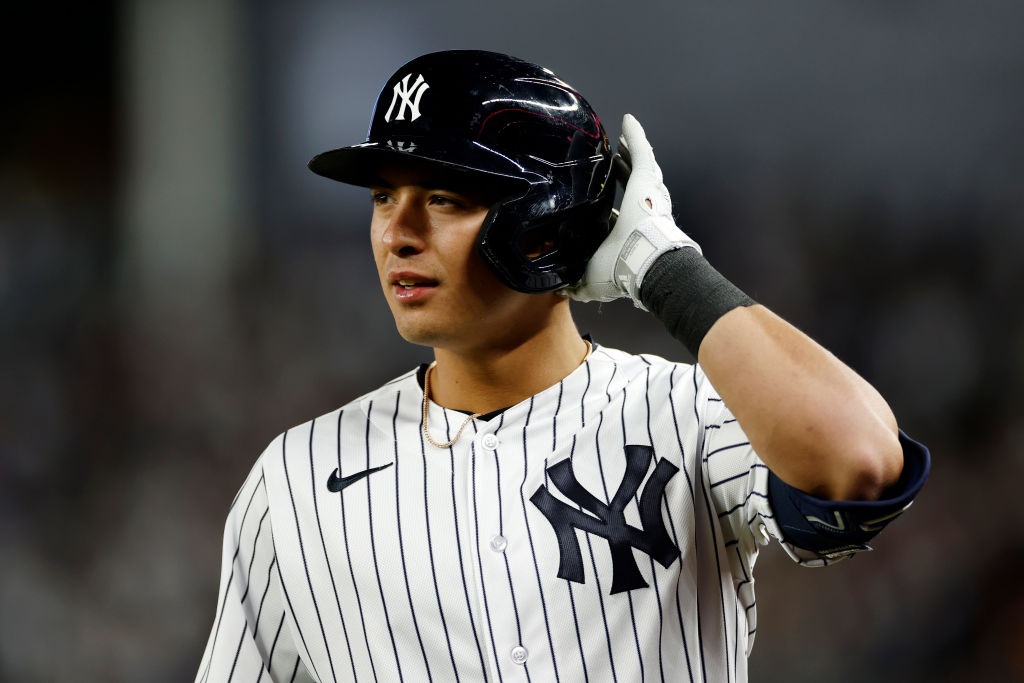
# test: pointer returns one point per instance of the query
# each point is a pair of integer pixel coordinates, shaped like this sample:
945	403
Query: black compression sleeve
688	295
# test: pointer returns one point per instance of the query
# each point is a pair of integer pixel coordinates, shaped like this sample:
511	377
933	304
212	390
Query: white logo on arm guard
410	98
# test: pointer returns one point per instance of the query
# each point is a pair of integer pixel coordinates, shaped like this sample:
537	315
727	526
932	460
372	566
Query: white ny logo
410	98
402	145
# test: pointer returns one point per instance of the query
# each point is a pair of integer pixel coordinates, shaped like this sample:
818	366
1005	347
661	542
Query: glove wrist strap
642	248
688	295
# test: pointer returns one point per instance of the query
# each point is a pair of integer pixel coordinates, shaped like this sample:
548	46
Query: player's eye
380	198
444	200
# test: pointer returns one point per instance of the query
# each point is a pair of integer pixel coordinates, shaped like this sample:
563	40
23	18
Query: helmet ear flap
548	251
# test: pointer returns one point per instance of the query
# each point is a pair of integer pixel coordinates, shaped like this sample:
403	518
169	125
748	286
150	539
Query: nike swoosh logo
336	483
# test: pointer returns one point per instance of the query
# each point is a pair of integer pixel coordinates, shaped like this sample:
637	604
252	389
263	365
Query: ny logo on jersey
409	96
609	521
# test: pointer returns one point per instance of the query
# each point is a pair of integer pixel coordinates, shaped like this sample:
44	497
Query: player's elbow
871	466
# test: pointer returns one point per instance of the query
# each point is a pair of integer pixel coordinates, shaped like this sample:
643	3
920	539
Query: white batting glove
643	231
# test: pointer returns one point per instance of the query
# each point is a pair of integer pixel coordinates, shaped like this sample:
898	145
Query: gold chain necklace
426	406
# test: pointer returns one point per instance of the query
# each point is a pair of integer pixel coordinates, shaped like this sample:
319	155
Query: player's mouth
412	288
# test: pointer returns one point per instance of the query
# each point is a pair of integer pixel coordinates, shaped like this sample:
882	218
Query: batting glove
643	230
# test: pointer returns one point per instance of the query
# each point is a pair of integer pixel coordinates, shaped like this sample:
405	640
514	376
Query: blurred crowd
127	422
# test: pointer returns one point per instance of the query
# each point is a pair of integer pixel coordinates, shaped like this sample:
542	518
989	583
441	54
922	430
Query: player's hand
643	230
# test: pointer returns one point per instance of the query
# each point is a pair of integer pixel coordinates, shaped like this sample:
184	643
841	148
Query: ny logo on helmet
410	96
401	145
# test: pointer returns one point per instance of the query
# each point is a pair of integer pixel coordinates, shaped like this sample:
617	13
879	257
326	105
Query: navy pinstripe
654	574
305	562
479	559
501	531
430	553
277	634
401	546
714	533
348	553
607	499
462	566
323	546
263	598
231	578
672	527
597	576
533	550
568	584
373	552
291	609
252	560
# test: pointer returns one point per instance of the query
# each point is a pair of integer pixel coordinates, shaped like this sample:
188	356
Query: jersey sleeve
736	478
754	505
251	639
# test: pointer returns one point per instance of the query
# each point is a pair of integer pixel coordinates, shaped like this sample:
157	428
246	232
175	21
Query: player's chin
419	338
419	327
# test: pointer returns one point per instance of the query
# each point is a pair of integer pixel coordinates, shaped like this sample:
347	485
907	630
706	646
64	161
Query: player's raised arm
818	425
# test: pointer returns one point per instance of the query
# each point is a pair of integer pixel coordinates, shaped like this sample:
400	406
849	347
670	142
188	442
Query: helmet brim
361	164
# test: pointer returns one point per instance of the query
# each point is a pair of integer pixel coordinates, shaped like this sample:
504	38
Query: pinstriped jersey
604	529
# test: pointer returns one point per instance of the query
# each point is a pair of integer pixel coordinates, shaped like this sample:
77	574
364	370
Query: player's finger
640	151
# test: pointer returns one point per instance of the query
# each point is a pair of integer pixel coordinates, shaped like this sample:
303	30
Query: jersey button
498	544
519	654
489	441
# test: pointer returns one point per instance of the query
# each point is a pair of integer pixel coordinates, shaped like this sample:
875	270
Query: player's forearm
816	423
812	420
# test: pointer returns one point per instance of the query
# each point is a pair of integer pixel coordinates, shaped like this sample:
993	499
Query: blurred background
176	288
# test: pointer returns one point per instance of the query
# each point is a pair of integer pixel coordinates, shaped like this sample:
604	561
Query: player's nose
407	228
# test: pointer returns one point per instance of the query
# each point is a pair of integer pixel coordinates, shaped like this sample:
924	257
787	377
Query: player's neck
482	381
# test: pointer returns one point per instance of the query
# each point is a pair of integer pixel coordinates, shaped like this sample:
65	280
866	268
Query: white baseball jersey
603	530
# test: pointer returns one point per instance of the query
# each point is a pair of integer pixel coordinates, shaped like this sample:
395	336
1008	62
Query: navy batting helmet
515	122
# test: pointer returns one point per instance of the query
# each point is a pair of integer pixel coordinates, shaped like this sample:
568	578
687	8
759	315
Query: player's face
441	293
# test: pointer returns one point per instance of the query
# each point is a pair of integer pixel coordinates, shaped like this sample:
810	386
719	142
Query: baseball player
534	506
